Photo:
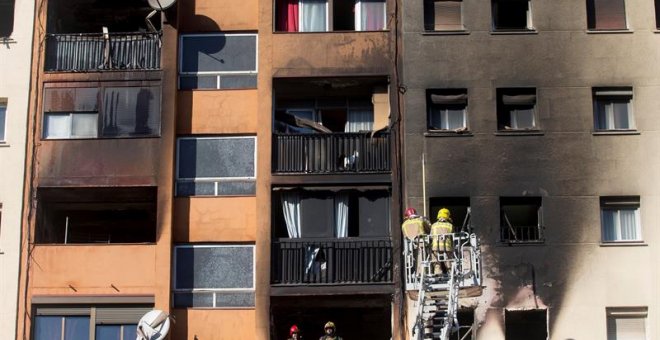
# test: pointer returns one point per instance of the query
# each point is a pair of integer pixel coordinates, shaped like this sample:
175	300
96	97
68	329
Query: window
96	215
324	114
526	324
626	323
516	109
620	219
511	15
613	109
76	322
106	112
443	15
216	166
201	276
447	109
6	18
3	120
606	15
314	15
218	61
657	14
521	219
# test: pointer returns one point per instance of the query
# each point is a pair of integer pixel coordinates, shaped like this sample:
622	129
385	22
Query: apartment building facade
540	116
16	19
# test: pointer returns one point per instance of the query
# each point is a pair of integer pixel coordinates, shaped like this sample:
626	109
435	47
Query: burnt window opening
521	219
526	324
516	109
512	15
96	215
331	214
465	319
90	16
6	18
458	207
606	15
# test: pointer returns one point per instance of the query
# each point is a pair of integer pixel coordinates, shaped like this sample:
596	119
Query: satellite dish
153	326
160	5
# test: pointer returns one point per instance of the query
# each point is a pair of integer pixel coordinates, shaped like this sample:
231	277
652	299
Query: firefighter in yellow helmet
442	248
330	332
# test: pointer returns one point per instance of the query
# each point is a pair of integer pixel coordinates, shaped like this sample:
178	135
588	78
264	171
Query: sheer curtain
628	225
359	120
341	215
372	15
291	209
313	15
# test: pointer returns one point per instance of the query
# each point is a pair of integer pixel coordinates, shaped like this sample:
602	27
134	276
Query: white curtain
341	215
291	209
628	225
313	15
372	15
359	120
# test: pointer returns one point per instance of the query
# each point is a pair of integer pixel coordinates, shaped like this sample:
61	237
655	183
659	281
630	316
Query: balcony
313	261
331	153
84	52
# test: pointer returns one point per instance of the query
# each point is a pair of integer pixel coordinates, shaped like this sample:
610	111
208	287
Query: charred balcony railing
522	234
331	261
331	153
102	52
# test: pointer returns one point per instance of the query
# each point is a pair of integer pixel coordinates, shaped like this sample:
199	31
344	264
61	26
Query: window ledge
624	244
4	145
657	30
448	32
448	133
616	132
519	133
623	31
514	32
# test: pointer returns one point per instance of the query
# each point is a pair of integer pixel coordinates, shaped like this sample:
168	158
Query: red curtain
287	15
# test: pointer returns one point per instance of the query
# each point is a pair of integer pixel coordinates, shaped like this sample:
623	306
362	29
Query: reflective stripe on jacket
442	228
414	227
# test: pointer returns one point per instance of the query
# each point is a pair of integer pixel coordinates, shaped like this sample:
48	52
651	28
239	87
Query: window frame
218	74
614	313
358	16
617	204
546	311
591	6
70	116
430	5
432	108
606	97
506	111
3	124
522	201
529	27
11	16
214	291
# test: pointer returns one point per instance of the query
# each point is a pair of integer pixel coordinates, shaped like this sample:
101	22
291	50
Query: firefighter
442	248
414	228
294	333
330	330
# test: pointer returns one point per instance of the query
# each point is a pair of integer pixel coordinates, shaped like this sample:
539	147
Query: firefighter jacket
414	227
442	228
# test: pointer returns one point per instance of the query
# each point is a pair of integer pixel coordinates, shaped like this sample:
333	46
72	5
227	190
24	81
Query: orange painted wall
218	324
213	15
226	219
92	269
217	112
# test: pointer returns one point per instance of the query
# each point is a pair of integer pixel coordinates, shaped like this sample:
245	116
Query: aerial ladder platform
438	294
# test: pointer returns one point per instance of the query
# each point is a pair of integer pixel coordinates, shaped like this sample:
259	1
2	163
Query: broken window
447	109
96	215
6	18
324	115
84	16
620	219
516	109
201	280
626	323
613	108
330	15
512	15
606	15
218	61
463	331
458	208
526	324
105	112
521	219
443	15
216	166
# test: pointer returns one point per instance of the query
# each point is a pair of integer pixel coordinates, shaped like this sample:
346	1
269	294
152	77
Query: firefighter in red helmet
294	333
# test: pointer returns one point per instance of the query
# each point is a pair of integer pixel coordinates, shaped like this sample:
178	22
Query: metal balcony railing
331	261
102	52
331	153
521	234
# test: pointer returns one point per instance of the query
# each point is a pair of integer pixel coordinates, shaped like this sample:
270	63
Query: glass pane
206	267
522	118
313	15
131	111
48	328
84	125
628	225
609	231
372	15
76	328
601	115
57	125
620	116
219	53
108	332
3	116
216	158
129	331
455	119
